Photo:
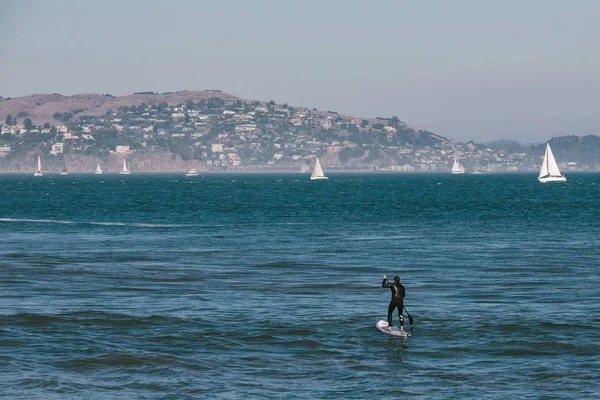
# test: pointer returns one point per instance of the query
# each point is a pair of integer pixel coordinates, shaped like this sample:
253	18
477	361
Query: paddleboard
383	325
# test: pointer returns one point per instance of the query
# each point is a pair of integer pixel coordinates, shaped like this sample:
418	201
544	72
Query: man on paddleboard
398	294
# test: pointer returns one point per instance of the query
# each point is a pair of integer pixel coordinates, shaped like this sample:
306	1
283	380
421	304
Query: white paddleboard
383	325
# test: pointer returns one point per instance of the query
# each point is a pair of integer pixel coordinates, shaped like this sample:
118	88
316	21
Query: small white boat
124	171
98	170
64	171
317	172
457	168
192	172
38	171
549	171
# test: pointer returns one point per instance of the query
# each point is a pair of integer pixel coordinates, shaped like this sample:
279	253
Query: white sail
38	171
98	170
457	168
549	171
317	172
124	171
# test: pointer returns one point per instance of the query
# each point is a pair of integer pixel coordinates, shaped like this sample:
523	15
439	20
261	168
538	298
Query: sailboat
98	170
38	171
125	171
549	171
317	172
457	168
483	172
64	171
192	172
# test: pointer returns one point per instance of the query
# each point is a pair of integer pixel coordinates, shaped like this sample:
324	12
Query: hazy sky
466	69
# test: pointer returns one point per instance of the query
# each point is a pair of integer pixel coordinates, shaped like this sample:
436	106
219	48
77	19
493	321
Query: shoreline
282	172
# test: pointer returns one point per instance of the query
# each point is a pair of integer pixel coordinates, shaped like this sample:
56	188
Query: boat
549	171
125	171
192	172
38	171
477	172
98	170
457	168
64	171
317	172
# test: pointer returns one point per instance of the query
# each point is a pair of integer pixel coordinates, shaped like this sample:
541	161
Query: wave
86	317
41	221
391	237
62	222
135	224
121	359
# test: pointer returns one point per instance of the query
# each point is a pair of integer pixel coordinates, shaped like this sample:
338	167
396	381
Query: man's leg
390	312
400	307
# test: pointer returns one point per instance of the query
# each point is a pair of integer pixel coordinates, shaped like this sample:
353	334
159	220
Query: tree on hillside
28	124
394	122
9	120
348	153
62	117
215	102
352	128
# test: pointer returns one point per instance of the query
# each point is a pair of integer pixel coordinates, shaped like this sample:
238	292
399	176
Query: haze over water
269	286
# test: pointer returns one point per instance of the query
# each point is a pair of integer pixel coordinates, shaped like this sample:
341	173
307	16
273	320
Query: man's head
396	279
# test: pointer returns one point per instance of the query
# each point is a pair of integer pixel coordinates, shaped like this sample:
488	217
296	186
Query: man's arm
385	283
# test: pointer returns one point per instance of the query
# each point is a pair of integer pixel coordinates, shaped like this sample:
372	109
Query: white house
245	128
4	150
122	150
234	159
57	148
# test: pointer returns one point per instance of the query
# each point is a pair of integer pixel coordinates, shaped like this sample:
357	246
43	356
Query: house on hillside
122	150
57	148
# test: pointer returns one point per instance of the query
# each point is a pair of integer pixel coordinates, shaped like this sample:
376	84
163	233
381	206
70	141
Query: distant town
213	131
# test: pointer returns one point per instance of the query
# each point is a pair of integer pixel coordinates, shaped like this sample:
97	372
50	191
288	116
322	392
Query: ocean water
269	286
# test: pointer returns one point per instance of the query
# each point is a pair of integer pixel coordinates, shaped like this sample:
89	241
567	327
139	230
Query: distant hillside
41	108
212	130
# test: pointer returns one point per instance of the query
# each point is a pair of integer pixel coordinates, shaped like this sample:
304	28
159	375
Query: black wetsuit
398	294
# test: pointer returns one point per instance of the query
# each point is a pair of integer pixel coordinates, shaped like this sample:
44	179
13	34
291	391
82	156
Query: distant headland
210	130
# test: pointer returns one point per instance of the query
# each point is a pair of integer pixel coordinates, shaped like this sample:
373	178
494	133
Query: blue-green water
269	286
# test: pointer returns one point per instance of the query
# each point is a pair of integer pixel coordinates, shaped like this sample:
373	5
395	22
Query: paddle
410	318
